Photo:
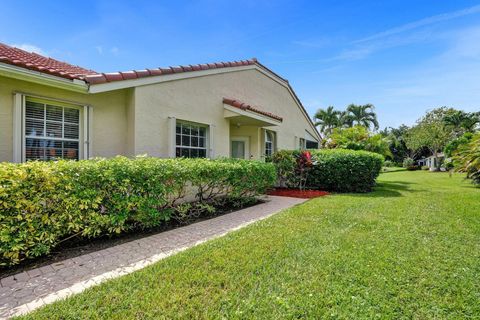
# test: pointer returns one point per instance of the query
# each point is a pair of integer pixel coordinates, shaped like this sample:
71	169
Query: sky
403	56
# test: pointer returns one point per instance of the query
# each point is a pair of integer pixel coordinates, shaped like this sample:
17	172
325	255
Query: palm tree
326	120
345	119
461	121
471	121
455	119
363	115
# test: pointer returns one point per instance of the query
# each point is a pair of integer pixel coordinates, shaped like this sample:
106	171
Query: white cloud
422	23
29	47
396	37
115	51
361	51
99	49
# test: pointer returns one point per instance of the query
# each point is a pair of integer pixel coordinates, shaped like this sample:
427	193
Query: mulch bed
297	193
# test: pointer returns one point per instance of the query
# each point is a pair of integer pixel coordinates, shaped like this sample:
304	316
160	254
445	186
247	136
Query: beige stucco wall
109	125
136	121
200	100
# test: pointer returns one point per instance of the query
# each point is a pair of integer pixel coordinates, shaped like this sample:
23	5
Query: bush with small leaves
337	170
42	203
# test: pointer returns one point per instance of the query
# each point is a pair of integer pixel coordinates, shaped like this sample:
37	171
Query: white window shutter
87	131
18	101
172	123
211	141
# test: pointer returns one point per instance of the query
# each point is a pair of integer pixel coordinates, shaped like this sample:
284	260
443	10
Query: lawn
411	249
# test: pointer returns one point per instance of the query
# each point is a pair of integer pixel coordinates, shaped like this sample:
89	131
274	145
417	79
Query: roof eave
19	73
123	84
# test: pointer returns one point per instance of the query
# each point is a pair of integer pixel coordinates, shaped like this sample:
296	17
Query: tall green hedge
345	170
336	170
42	203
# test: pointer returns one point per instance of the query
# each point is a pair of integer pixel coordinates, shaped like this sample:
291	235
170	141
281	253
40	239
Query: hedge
336	170
43	203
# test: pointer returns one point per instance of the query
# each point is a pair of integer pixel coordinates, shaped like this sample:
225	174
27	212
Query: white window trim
302	143
17	127
274	142
208	137
85	125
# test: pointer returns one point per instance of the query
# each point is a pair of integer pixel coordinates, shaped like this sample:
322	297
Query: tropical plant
359	138
454	144
327	120
467	159
397	146
363	115
471	122
461	122
345	120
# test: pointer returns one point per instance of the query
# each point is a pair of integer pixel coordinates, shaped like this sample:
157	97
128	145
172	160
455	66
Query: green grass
411	249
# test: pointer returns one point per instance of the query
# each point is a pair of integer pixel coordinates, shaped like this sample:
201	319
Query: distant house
432	162
51	109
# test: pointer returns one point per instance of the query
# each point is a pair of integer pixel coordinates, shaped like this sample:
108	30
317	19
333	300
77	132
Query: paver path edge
26	291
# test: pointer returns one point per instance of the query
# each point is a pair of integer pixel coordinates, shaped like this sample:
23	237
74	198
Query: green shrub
339	170
285	162
345	170
408	162
293	167
388	163
42	203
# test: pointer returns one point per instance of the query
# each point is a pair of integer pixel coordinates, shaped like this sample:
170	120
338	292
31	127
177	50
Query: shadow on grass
393	170
390	189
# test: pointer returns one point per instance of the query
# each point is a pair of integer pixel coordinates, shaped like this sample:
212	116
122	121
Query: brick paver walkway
26	291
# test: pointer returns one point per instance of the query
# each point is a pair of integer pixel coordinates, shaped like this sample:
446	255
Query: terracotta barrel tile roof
134	74
241	105
33	61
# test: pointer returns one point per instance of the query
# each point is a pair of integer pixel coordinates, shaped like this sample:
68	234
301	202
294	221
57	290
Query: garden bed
297	193
79	246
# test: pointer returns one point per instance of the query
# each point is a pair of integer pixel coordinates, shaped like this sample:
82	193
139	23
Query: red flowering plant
303	167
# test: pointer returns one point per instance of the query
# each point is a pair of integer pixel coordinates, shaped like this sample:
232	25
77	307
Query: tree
397	146
345	120
461	122
467	159
326	120
430	131
359	138
452	146
363	115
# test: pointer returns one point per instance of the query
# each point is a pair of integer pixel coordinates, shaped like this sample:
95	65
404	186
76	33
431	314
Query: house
433	162
51	109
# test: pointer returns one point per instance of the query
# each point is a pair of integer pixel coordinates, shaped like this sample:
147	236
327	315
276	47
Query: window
190	140
269	143
301	143
312	144
51	131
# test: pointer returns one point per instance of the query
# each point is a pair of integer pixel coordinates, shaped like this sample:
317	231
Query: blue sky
405	57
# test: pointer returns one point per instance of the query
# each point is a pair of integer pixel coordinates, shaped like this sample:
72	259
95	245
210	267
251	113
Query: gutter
15	72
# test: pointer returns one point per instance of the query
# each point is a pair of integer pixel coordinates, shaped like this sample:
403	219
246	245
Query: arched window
269	143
